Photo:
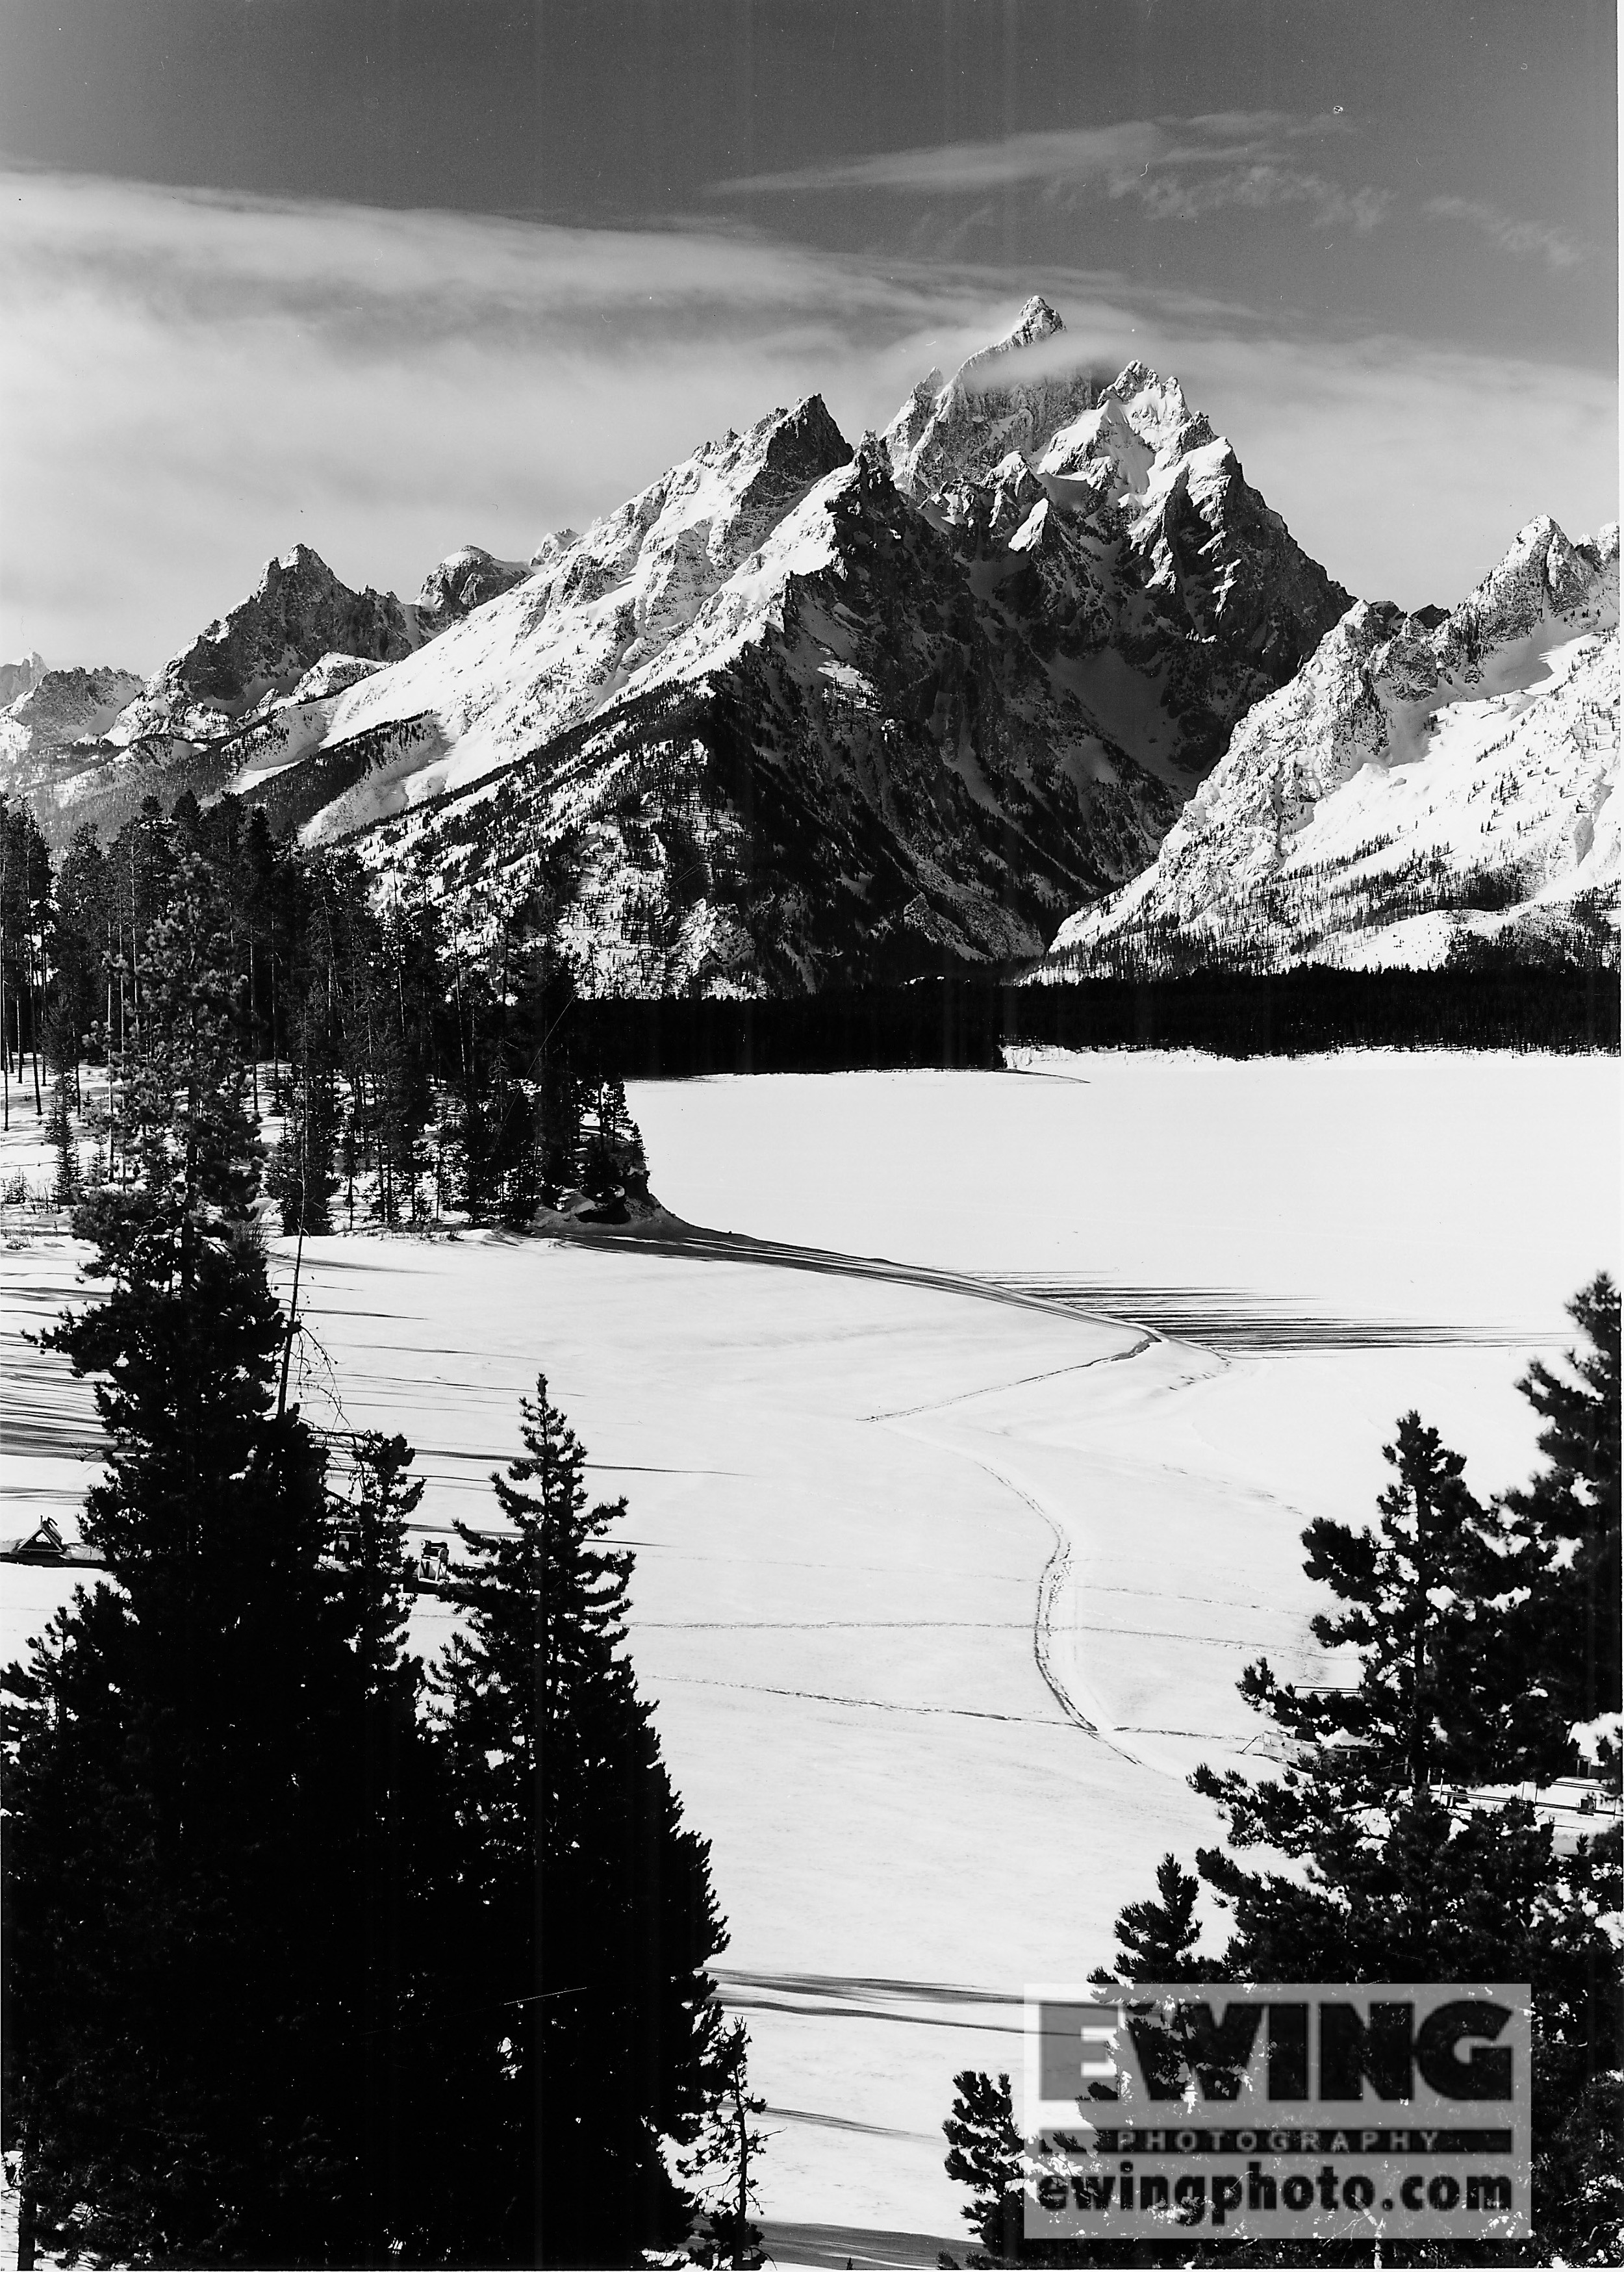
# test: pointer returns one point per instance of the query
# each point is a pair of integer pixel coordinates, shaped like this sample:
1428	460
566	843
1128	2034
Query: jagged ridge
1424	776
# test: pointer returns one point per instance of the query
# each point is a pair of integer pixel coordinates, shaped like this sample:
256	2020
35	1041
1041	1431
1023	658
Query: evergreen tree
1422	1591
1564	1632
24	919
720	2163
60	1123
985	2151
300	1175
594	1905
1158	1940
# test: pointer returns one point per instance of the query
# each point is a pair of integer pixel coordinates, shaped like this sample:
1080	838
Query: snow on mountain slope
1417	779
539	658
1161	624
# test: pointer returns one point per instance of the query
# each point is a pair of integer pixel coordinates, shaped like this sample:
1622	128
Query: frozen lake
948	1560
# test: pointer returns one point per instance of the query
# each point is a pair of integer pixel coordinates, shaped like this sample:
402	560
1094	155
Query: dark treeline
419	1068
955	1021
414	1071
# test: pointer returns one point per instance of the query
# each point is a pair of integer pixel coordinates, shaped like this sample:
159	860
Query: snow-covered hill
791	712
1422	779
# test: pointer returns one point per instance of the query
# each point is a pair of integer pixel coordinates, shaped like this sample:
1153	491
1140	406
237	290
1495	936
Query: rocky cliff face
20	677
1122	534
1421	778
299	613
464	581
60	707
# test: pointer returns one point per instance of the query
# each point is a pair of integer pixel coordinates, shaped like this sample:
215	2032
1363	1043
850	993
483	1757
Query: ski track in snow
1051	1587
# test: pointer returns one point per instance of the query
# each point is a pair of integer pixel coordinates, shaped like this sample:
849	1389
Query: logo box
1295	2111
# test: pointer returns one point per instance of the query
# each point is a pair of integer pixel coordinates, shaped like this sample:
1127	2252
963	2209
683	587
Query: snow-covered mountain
791	712
1422	778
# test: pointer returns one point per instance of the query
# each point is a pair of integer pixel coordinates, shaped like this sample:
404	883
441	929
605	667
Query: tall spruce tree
591	1902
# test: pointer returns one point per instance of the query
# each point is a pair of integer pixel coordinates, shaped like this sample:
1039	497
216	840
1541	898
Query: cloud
1072	154
191	384
1167	163
1168	198
1557	247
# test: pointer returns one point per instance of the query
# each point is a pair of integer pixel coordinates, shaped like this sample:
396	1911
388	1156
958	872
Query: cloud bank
191	383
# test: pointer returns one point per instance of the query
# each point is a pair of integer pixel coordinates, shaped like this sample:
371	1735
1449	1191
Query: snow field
865	1509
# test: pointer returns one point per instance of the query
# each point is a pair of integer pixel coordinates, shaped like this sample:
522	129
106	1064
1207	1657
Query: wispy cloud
1558	248
945	169
1179	169
192	383
1170	196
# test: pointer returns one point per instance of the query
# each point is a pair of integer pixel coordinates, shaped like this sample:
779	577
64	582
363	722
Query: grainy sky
386	276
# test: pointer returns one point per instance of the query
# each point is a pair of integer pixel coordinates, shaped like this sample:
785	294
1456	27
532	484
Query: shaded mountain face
54	708
790	715
1121	535
300	612
842	769
1423	778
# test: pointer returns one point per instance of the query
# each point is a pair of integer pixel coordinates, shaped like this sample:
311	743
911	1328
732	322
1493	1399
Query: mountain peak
945	436
301	560
22	677
464	581
1037	320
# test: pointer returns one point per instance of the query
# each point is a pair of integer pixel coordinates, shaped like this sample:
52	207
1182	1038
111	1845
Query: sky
392	276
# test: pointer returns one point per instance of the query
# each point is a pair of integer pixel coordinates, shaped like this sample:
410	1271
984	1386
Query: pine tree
595	1906
299	1174
1158	1940
721	2165
985	2153
60	1125
1421	1593
1565	1632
